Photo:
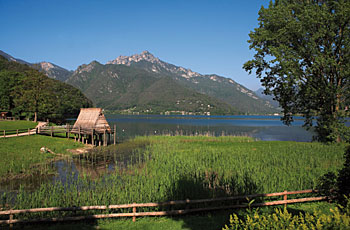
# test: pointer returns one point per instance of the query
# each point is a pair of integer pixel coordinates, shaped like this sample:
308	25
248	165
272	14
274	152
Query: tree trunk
337	107
35	116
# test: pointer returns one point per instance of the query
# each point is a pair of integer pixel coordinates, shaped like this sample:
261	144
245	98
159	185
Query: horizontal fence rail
94	136
65	128
7	132
135	214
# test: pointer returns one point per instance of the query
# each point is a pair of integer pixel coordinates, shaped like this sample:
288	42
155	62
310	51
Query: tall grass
173	168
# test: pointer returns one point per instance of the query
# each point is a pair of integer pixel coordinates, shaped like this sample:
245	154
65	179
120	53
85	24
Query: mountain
144	83
133	90
260	93
10	58
51	70
224	89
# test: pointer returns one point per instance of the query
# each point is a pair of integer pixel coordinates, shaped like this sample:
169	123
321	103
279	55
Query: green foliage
343	182
8	81
282	219
337	186
302	57
26	92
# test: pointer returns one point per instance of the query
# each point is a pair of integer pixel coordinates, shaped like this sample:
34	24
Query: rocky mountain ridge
158	65
219	87
51	70
125	89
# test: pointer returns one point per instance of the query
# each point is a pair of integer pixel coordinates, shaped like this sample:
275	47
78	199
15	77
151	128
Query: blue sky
205	36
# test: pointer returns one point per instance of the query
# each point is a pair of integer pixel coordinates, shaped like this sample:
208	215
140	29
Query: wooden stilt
115	134
79	134
92	136
67	131
104	138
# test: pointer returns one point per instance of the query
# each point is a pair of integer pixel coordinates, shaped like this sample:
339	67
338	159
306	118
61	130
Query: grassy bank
174	168
20	154
14	125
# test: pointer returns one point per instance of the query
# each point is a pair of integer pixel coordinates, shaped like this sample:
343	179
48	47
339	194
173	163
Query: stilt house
92	119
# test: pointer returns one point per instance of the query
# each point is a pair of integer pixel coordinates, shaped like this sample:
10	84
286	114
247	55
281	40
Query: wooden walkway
26	133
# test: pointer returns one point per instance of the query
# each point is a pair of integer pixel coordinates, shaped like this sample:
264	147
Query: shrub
282	219
337	186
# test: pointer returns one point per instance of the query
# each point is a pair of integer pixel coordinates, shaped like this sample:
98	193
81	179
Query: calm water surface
266	128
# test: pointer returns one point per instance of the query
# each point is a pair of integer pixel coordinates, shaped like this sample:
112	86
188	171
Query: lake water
266	128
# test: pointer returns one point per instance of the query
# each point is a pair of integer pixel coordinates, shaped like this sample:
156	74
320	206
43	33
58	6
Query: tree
303	58
32	95
8	80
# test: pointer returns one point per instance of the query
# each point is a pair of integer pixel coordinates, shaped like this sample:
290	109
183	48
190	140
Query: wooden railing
4	133
81	134
134	206
8	118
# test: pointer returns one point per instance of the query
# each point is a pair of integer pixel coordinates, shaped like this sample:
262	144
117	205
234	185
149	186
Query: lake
266	128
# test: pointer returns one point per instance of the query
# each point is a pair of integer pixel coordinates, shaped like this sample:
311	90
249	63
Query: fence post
28	131
134	212
187	204
285	198
4	133
17	132
115	134
10	220
51	131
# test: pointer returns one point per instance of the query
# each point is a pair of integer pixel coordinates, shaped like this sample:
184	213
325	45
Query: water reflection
267	128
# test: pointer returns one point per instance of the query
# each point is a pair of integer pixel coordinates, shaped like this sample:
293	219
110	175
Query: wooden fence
134	206
5	133
8	118
84	135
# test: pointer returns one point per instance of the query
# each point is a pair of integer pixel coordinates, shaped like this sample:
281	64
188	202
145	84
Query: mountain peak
46	66
127	60
146	52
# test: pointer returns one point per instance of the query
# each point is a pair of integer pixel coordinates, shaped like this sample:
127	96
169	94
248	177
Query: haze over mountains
144	83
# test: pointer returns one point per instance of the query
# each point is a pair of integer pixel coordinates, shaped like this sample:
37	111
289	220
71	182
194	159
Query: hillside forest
28	94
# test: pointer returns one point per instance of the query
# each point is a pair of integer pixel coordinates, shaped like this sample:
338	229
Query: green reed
174	168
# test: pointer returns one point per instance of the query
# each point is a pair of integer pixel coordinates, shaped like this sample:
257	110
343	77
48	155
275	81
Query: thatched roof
92	118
